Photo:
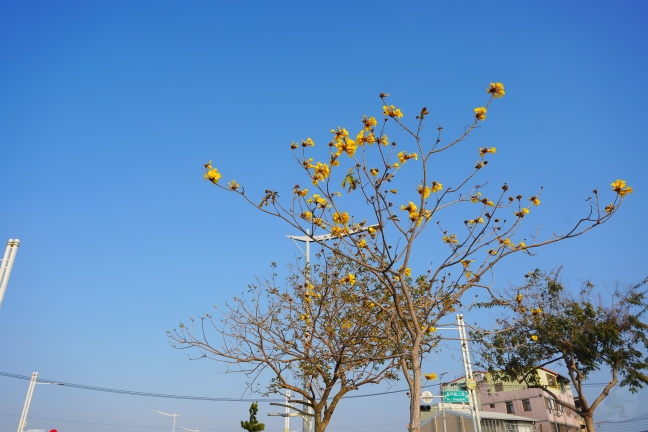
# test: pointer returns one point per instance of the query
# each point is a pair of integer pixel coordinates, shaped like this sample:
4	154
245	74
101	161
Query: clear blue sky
109	109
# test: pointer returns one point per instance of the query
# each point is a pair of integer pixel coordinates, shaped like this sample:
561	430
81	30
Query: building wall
493	397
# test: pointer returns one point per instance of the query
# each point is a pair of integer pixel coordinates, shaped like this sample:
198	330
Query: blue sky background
109	109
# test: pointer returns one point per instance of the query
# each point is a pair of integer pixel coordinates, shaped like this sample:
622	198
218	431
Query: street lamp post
308	239
30	392
174	415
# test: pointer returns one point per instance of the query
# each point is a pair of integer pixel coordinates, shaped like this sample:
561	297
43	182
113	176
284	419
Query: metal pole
30	391
472	396
287	419
7	264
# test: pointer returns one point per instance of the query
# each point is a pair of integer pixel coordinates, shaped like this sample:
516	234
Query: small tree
579	332
404	190
319	337
253	425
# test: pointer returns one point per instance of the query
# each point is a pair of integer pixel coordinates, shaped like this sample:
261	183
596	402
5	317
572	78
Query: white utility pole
30	391
470	381
7	263
174	415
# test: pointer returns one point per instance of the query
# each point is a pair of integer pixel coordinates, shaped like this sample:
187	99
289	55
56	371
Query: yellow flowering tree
548	325
316	336
397	207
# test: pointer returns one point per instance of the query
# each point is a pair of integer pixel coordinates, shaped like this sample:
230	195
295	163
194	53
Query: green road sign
455	396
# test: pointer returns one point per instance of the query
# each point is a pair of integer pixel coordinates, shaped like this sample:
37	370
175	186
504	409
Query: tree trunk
588	418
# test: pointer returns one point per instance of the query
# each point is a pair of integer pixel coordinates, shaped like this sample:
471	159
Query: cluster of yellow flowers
404	156
522	212
483	151
451	239
480	113
212	173
391	111
349	278
430	376
620	187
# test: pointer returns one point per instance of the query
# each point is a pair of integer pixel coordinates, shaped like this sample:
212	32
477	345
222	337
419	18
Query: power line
139	393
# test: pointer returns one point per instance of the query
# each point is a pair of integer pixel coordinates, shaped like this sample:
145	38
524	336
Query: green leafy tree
580	332
412	199
253	425
318	337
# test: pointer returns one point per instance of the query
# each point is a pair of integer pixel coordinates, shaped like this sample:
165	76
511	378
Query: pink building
515	398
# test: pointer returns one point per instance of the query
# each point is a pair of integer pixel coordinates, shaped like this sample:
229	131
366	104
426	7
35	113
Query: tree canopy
404	200
582	333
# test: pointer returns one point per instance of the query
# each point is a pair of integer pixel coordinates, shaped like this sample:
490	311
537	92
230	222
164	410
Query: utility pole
470	381
7	263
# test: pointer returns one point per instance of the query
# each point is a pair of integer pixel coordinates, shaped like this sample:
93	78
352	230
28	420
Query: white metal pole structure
7	263
174	415
470	381
30	393
190	430
308	424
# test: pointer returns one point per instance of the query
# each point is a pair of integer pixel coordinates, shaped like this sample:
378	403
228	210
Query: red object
53	430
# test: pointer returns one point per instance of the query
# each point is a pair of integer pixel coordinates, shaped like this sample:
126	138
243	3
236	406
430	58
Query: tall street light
30	392
174	415
308	424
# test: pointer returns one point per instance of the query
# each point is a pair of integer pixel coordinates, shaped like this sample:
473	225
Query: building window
492	405
526	404
509	407
550	404
499	387
551	380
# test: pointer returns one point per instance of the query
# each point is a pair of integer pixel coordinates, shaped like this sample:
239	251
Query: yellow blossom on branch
404	157
369	122
424	190
308	142
341	218
383	140
233	185
451	239
609	208
619	187
535	200
534	338
300	192
374	171
347	146
466	263
307	216
523	212
411	207
484	150
475	198
322	172
437	187
480	113
496	90
339	231
391	111
363	138
212	174
430	376
479	220
349	278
